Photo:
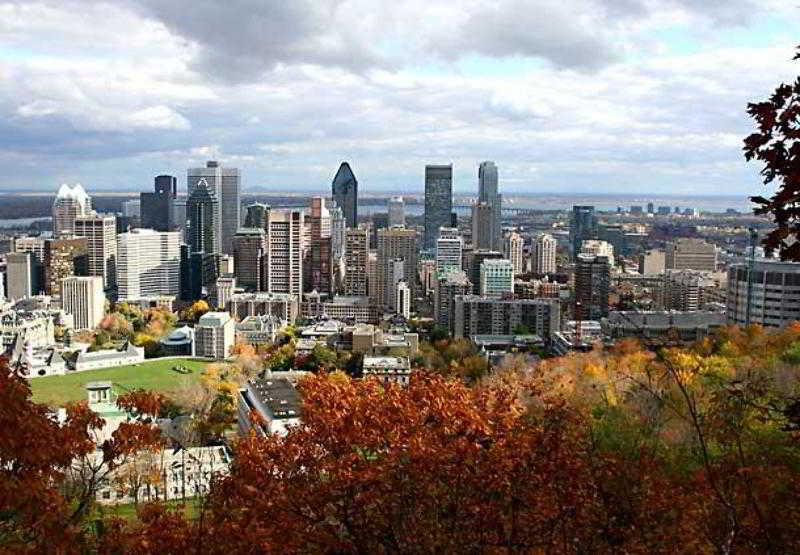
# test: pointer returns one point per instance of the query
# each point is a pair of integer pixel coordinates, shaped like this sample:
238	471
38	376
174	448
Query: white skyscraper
449	246
101	241
71	201
283	263
544	254
497	277
512	250
397	211
148	263
225	184
403	299
83	298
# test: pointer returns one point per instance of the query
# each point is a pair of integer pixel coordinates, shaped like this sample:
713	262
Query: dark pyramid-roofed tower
202	210
345	193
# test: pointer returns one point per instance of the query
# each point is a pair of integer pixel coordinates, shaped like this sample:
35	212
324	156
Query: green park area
152	375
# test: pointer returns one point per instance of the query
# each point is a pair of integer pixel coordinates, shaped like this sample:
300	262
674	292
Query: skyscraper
438	201
83	298
496	278
71	201
225	184
256	215
449	285
482	219
148	264
249	248
403	299
472	265
449	246
157	209
338	225
592	281
488	193
394	243
345	193
397	212
101	243
318	264
202	210
22	273
356	255
583	226
690	254
512	250
64	258
283	264
544	254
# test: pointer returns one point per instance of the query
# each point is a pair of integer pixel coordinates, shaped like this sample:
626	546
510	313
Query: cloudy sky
564	95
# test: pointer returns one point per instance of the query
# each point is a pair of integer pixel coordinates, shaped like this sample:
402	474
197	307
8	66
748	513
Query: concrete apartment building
83	297
215	334
690	254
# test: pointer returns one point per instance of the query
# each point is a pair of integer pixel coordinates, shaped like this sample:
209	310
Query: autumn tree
46	490
776	144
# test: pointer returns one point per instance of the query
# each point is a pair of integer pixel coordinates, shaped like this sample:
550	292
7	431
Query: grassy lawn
155	375
190	508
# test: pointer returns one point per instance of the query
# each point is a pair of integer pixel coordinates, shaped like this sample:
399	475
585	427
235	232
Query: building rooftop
373	364
278	395
665	319
213	319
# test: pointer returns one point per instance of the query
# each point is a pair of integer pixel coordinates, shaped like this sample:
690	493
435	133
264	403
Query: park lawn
152	375
190	509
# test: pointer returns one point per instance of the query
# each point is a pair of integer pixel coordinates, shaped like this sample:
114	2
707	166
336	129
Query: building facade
214	335
101	244
71	201
83	298
690	254
397	212
774	293
344	188
225	185
488	193
148	264
496	278
449	285
202	212
395	243
544	254
157	208
477	315
355	269
283	263
592	283
583	226
512	250
449	247
249	247
438	202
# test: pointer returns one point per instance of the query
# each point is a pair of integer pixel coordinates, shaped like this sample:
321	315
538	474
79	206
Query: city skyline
632	94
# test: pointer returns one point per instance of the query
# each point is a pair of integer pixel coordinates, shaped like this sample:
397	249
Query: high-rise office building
544	254
488	193
283	264
356	254
650	208
22	273
338	225
256	215
34	246
345	193
582	226
773	293
438	202
449	247
512	250
687	290
397	212
148	264
101	243
132	209
450	284
690	254
82	296
652	262
198	273
403	299
71	201
319	257
496	278
158	207
249	248
592	282
64	258
472	265
394	243
225	184
395	273
202	209
482	226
